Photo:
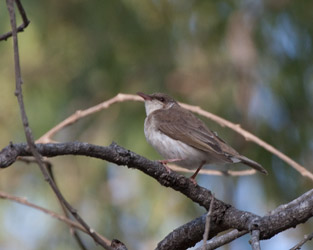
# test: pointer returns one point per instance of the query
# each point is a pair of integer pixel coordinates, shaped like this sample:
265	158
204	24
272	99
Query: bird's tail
252	164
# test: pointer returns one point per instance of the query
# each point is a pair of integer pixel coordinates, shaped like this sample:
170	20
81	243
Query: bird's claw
164	163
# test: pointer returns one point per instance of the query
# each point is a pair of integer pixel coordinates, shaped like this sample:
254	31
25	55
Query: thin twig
208	222
65	211
79	114
223	239
28	132
22	26
47	137
69	222
250	137
214	172
306	238
255	240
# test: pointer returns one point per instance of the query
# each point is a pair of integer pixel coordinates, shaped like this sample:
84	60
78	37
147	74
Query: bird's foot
193	180
164	163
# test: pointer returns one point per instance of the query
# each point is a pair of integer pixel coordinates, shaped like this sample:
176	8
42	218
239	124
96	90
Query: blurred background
247	61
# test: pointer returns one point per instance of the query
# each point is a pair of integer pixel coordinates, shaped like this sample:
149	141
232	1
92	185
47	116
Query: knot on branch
118	245
8	156
254	224
123	155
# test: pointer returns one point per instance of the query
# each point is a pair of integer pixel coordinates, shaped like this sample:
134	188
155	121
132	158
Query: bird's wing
186	127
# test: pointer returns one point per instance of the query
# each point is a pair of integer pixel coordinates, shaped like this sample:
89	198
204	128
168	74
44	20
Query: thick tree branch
269	225
224	216
119	156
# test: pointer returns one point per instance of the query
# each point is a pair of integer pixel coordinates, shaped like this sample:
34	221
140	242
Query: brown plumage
178	134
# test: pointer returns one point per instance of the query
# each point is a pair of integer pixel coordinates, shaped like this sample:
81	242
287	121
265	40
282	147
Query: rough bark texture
224	216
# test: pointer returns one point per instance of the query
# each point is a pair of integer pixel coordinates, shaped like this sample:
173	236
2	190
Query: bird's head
157	101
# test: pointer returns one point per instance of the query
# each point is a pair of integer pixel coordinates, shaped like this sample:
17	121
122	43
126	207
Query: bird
181	137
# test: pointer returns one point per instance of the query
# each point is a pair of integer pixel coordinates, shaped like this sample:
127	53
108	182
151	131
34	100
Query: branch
208	223
73	231
28	132
223	239
69	222
117	155
250	137
302	242
191	233
214	172
22	26
188	234
65	211
47	137
255	240
224	216
79	114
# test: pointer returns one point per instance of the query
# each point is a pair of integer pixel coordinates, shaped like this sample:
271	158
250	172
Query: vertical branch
28	132
255	240
65	211
207	223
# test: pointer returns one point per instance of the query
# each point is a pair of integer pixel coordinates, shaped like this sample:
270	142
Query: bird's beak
144	96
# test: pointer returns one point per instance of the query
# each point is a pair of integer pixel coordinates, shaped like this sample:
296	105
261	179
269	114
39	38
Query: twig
223	239
46	138
214	172
22	26
306	238
255	240
250	137
79	114
65	211
28	132
30	159
207	223
69	222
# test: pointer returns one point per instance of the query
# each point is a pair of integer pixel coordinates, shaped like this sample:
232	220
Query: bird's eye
161	99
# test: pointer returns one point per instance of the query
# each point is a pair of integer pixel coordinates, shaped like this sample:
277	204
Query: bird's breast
172	149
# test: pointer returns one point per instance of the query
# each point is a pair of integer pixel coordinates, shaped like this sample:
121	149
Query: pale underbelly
188	156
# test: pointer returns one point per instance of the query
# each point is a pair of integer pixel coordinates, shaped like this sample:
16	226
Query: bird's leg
164	163
193	177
